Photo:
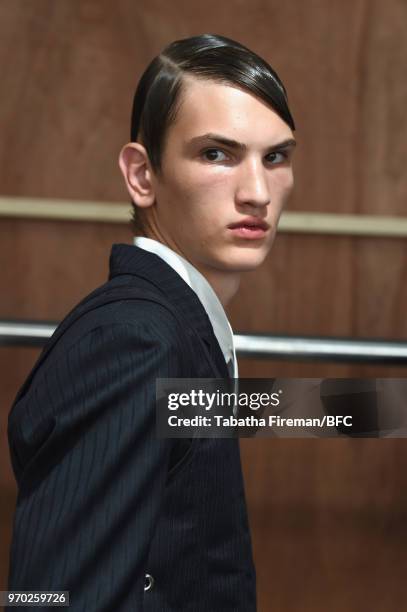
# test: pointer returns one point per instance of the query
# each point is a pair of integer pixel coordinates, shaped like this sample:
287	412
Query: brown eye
283	156
211	155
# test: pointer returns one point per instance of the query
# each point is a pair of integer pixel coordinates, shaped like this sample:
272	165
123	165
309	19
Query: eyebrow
289	142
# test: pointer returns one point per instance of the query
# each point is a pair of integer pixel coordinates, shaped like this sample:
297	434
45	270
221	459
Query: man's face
207	185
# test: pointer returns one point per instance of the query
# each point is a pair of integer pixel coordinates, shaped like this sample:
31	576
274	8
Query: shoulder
135	305
125	335
116	337
132	316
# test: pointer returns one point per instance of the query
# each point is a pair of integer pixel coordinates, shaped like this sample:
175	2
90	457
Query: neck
225	284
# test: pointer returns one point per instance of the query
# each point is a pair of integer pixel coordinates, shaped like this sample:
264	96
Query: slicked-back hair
208	56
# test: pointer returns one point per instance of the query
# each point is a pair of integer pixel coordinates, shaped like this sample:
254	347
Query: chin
245	260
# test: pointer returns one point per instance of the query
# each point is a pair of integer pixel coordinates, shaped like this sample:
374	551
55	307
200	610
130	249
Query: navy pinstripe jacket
102	502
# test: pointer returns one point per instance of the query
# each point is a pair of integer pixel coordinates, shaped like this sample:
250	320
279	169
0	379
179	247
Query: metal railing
255	346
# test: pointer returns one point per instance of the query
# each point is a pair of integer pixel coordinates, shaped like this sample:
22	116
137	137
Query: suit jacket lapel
153	270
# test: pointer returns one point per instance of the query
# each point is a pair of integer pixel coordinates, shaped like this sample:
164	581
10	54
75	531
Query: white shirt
198	283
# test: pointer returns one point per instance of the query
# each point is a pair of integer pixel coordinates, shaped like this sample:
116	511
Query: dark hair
208	56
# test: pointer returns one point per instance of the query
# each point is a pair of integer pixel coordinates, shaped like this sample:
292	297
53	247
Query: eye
283	156
210	153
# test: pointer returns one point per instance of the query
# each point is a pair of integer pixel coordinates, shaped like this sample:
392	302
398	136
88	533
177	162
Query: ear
135	167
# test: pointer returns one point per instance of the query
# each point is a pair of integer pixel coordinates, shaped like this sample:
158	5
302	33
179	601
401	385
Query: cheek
200	180
199	195
282	184
287	181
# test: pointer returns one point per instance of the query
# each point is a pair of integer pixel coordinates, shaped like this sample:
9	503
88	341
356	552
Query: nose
253	188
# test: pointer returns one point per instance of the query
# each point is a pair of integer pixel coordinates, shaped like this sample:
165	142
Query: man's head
187	188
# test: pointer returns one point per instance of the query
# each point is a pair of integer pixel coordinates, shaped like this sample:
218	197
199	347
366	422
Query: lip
250	228
254	222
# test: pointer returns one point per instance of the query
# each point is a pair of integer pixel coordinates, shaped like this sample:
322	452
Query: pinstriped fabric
101	500
126	258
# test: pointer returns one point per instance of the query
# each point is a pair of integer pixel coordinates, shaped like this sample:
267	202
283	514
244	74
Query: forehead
209	106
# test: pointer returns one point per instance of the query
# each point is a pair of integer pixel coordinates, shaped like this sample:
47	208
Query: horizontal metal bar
311	348
25	333
117	212
255	346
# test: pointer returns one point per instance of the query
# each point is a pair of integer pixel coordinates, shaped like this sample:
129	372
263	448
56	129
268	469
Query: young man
122	519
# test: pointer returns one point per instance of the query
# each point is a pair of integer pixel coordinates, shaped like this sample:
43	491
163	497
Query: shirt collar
198	283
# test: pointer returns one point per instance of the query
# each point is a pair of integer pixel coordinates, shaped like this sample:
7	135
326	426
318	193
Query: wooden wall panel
329	523
327	285
328	517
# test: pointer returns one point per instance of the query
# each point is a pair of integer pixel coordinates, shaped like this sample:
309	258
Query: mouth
249	227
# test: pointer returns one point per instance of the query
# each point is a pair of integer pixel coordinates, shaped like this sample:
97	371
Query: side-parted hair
208	56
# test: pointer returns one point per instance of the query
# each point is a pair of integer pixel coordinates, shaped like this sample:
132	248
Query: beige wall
327	516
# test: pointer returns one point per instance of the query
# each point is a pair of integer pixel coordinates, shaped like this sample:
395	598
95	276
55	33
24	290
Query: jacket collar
133	260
